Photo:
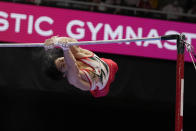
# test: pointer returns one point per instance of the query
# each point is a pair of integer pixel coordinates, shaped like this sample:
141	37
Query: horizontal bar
113	41
170	37
22	45
80	43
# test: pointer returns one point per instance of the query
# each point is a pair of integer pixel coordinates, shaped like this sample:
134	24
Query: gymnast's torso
93	69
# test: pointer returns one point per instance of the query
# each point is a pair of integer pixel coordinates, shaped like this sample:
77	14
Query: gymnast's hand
49	43
58	42
63	41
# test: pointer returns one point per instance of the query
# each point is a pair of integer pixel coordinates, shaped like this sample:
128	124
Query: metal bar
80	43
21	45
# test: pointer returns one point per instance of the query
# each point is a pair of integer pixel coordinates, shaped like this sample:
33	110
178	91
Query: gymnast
82	68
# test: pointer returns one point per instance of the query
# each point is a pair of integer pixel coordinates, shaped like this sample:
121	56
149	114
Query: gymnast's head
54	65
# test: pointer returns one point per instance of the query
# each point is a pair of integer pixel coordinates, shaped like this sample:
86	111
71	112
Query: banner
29	23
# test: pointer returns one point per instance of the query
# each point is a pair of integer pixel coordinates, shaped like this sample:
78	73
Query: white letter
168	45
18	18
30	25
94	30
39	21
3	21
108	31
153	33
81	31
131	34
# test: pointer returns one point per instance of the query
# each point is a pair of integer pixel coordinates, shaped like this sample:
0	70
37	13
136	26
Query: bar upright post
179	83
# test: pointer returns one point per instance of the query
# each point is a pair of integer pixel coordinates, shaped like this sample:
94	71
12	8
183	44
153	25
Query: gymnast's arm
74	74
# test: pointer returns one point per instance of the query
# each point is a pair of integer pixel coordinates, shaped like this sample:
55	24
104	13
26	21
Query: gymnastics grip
169	37
63	46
